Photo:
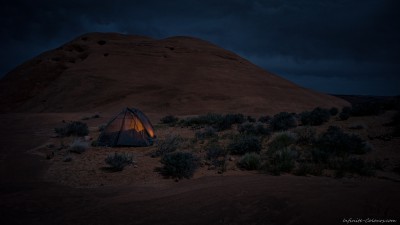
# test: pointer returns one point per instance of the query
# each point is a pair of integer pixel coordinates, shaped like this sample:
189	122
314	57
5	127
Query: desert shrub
179	165
352	165
214	151
250	161
251	119
253	128
345	113
118	161
169	119
334	111
78	146
281	141
169	144
316	117
305	135
264	119
282	121
228	120
282	160
75	128
218	121
242	144
334	141
208	132
366	109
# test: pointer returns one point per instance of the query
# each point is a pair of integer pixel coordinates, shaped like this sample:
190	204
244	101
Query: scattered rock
88	138
231	158
212	167
135	166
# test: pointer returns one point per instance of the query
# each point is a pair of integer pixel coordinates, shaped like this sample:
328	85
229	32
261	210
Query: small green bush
334	111
78	146
179	165
169	144
335	141
345	113
352	165
282	160
208	132
118	161
253	129
282	121
264	119
170	119
242	144
214	151
316	117
75	128
250	161
218	121
281	141
305	135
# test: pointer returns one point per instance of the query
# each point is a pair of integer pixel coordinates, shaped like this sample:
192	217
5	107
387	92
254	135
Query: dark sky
341	47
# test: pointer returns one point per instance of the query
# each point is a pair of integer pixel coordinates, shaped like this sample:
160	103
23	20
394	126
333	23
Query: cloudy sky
340	47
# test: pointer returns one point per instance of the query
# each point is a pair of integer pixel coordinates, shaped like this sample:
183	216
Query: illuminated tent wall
129	128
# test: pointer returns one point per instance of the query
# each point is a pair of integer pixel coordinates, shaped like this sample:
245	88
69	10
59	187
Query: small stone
212	167
135	166
88	138
231	158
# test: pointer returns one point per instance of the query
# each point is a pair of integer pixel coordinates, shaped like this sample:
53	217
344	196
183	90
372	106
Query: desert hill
179	75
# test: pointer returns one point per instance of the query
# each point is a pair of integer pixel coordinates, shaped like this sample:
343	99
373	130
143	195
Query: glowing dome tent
129	128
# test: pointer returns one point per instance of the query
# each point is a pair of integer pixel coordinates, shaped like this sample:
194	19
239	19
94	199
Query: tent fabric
129	128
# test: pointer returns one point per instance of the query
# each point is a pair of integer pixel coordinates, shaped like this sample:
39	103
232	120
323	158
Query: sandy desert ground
36	190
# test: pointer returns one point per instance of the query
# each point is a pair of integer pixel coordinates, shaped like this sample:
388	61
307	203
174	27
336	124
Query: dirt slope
179	75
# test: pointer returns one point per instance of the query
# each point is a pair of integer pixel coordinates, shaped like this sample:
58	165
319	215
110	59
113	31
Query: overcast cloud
342	47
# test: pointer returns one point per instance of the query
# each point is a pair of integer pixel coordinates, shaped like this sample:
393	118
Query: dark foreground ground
25	198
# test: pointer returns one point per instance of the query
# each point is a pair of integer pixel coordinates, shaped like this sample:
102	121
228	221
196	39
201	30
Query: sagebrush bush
169	119
179	165
250	161
242	144
74	128
118	161
214	151
78	146
282	121
218	121
334	111
335	141
264	119
305	135
169	144
208	132
316	117
253	128
345	113
282	160
281	141
352	165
